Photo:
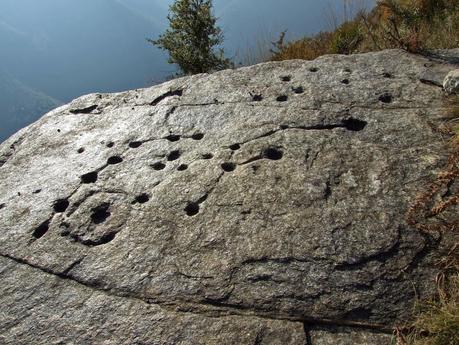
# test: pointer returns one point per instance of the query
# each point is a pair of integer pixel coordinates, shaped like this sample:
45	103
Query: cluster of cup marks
101	213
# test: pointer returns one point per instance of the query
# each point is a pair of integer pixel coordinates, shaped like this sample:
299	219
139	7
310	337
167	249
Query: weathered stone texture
341	336
451	82
208	209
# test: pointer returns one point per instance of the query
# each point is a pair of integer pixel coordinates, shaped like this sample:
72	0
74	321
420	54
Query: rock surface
340	336
451	83
224	209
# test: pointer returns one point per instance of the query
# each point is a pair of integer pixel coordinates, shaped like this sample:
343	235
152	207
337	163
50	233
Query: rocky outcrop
264	205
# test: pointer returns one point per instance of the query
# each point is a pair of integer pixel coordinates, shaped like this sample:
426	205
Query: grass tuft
436	321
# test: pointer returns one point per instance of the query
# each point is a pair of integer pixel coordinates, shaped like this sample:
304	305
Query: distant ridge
20	105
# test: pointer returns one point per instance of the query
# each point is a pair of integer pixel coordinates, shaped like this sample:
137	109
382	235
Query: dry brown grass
414	25
307	48
436	321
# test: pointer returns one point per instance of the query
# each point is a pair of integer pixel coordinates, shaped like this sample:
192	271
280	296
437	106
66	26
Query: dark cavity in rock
104	239
182	167
167	94
173	155
257	98
114	160
282	98
100	213
228	166
385	98
286	78
36	191
61	205
173	137
80	150
313	69
192	209
345	81
355	125
158	166
2	206
298	90
272	153
110	144
41	230
141	199
86	110
135	144
89	177
197	136
207	156
235	147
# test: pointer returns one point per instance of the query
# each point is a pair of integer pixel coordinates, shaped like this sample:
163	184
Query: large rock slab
226	201
41	308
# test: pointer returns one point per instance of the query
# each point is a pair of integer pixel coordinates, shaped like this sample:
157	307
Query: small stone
451	82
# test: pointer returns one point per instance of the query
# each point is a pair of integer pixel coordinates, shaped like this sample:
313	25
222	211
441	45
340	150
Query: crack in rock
156	101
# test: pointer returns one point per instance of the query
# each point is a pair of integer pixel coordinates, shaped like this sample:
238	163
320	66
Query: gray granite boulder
228	208
451	82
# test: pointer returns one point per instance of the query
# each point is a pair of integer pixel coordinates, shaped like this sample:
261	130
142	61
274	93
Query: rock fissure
177	92
187	307
85	110
381	256
350	124
307	334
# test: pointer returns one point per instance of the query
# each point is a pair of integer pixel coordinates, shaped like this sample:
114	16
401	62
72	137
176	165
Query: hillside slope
20	105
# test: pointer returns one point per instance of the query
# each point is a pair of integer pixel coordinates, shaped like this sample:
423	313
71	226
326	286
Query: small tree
192	37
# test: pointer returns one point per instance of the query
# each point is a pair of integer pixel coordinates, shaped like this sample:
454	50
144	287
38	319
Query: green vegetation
414	25
192	38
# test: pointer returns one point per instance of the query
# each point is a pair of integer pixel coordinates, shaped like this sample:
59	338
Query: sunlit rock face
451	82
241	207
